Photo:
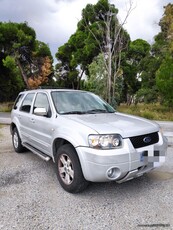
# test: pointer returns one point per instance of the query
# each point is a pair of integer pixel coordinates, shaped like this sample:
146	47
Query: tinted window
26	104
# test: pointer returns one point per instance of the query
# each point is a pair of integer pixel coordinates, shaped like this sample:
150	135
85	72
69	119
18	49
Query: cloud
144	18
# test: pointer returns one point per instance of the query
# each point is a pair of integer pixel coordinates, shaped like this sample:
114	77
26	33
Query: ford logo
147	139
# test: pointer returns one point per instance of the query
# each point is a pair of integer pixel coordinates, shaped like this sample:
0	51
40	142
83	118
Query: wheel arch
15	124
57	143
12	126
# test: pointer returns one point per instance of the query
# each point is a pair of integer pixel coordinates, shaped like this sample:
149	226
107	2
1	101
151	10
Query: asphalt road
5	118
166	125
32	199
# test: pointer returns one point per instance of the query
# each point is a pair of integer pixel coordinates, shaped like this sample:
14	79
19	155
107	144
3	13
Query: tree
66	70
163	51
148	91
134	68
10	80
97	81
112	39
99	31
42	77
166	24
164	80
22	56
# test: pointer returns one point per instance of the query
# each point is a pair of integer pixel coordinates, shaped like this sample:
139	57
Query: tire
68	170
17	144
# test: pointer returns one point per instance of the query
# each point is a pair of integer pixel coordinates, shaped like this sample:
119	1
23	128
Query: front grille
144	140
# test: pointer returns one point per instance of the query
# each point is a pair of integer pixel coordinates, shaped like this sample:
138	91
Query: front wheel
69	170
17	144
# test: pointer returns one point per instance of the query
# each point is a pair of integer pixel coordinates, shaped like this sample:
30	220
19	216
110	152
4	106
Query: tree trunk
108	47
78	85
23	74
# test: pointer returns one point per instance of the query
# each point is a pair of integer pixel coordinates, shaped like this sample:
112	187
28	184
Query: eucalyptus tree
99	31
97	82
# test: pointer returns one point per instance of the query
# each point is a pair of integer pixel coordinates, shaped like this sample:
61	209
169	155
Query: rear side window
27	102
17	102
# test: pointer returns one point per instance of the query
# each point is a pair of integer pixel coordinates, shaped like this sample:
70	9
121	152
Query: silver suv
86	138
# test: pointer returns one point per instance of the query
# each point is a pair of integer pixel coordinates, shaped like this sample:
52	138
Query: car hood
123	124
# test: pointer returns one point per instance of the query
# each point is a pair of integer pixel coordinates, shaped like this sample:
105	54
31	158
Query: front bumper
121	164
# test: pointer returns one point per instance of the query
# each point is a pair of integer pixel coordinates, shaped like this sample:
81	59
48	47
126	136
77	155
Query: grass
6	106
150	111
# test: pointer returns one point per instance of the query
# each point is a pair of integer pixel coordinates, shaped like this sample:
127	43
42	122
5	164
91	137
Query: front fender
75	134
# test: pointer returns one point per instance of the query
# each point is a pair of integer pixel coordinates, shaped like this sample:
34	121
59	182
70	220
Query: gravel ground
31	197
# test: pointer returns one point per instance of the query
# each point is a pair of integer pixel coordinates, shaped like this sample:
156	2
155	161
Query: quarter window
27	102
17	102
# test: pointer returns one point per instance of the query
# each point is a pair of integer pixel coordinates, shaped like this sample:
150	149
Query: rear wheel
17	144
69	170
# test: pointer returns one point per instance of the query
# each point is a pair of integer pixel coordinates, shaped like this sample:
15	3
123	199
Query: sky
54	21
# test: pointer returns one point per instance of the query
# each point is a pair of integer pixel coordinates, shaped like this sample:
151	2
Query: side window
17	101
26	104
41	101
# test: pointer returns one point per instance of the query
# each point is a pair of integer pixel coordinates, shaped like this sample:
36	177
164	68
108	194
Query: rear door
24	117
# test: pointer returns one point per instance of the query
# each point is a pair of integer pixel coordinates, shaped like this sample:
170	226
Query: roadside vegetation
150	111
6	106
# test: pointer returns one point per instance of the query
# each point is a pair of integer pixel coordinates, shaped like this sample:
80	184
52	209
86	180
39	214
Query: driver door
42	125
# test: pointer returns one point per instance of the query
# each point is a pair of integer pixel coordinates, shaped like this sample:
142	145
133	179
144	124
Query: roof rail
51	87
48	87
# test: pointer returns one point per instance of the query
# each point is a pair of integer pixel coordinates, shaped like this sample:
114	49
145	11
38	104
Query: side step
36	151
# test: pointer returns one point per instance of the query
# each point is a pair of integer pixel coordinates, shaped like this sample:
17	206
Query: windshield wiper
73	112
92	111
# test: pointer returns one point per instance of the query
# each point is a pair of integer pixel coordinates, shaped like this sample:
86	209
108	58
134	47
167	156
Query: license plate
144	156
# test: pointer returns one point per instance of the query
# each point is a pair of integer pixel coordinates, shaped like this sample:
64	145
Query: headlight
105	141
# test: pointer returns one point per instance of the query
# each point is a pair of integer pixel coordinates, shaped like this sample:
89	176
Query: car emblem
147	139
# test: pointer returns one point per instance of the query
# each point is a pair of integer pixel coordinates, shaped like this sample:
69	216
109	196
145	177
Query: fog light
110	172
113	173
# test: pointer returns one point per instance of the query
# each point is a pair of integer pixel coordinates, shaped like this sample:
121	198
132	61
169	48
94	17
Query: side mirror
40	111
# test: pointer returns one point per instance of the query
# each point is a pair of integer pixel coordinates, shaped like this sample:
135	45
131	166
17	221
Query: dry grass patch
149	111
6	106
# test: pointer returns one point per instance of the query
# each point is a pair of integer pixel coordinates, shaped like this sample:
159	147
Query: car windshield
79	102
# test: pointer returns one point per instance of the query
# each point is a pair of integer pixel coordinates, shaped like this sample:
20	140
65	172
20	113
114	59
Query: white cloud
144	18
69	15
